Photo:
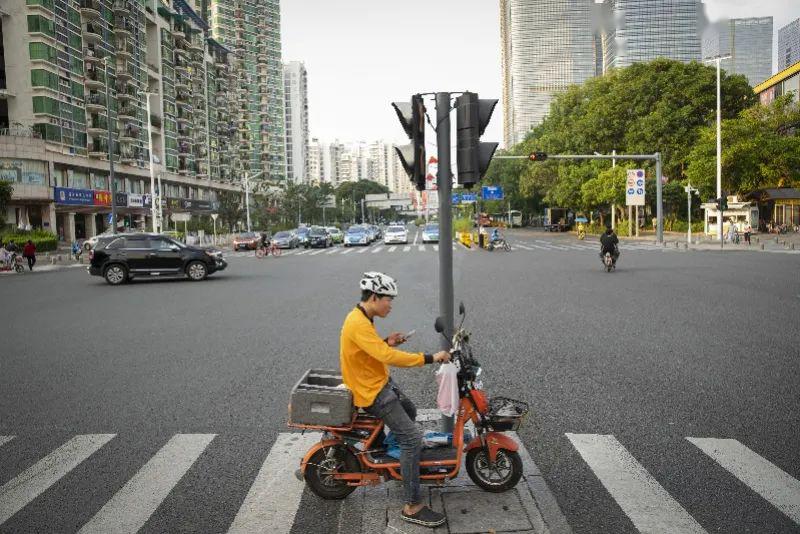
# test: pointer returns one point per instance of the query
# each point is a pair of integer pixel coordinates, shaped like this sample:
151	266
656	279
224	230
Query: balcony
122	73
97	125
95	103
184	135
178	32
196	44
92	34
95	79
130	157
92	55
155	121
121	8
181	66
123	28
184	116
90	10
98	150
125	92
126	113
125	49
129	134
181	84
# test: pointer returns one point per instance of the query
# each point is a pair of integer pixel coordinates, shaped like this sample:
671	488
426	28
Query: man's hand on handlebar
441	357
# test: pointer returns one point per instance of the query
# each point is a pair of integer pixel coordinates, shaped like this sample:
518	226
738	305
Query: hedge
44	241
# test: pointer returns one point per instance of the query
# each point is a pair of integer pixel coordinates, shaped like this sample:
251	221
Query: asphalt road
670	346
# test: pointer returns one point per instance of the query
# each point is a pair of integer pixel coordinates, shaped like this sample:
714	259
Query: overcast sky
363	54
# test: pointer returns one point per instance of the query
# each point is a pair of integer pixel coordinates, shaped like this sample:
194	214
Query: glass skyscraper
789	45
643	30
748	42
546	46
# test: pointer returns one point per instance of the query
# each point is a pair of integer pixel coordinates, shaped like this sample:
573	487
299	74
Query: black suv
124	256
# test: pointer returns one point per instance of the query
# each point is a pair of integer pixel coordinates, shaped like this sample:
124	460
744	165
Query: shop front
777	207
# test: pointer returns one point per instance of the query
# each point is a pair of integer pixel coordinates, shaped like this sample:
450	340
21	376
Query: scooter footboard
494	441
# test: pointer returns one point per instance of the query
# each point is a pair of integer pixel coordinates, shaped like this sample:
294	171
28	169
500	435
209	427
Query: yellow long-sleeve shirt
365	358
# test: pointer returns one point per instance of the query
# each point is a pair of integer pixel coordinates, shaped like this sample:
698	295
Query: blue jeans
398	413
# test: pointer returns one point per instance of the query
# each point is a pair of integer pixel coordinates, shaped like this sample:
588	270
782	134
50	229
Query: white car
395	234
90	243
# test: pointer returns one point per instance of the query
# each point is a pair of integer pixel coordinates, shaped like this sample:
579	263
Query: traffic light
472	156
723	203
412	156
537	156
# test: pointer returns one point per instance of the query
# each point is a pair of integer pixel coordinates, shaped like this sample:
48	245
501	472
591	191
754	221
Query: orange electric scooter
351	456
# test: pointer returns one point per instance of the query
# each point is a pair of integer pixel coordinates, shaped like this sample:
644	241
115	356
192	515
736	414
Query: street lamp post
247	194
153	213
718	60
111	176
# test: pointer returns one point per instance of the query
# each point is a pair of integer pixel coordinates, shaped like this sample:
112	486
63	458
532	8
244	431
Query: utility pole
689	190
247	197
152	169
363	220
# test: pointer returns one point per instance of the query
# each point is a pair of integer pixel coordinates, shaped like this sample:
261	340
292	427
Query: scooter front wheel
503	476
321	467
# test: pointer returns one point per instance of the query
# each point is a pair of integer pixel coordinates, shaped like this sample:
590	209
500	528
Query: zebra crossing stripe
132	506
524	247
377	249
763	477
317	252
303	252
25	487
435	248
333	251
422	248
363	250
347	251
392	249
647	504
273	499
406	248
5	439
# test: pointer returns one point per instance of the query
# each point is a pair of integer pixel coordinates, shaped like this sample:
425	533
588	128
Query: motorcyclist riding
609	243
365	359
495	236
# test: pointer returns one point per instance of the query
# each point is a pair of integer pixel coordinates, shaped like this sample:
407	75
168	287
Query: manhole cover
476	511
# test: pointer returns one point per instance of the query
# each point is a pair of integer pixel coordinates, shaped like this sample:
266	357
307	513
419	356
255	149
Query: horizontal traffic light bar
533	156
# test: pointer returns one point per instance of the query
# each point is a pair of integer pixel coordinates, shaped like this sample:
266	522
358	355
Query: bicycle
501	244
265	250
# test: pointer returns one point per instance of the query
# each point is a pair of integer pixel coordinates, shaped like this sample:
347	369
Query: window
45	104
47	4
44	78
39	24
116	244
42	51
77	89
138	242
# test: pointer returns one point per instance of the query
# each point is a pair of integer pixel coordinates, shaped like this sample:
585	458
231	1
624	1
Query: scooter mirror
438	325
461	309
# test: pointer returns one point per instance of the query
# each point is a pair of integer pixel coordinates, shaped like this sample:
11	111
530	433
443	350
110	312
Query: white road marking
763	477
5	439
320	251
435	248
540	247
647	504
131	507
422	248
273	499
406	248
347	251
25	487
333	251
416	235
363	250
392	249
306	251
377	249
524	247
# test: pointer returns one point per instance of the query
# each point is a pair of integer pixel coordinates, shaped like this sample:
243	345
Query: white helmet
379	283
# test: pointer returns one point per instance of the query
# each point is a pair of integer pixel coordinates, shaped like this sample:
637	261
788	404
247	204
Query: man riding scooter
365	359
609	243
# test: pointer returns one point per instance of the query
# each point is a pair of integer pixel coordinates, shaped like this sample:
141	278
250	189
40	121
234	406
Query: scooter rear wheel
502	477
323	463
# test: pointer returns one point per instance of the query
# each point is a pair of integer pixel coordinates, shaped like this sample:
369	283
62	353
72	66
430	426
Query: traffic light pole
445	186
634	157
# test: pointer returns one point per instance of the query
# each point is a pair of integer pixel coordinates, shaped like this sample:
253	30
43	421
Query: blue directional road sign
456	198
492	192
469	197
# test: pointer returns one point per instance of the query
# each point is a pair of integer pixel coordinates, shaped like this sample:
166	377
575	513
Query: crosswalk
532	246
652	509
274	494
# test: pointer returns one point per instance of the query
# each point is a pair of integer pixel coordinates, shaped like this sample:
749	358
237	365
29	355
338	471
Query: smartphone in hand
408	335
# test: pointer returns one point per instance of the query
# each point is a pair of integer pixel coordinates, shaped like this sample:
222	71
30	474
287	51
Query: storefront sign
74	197
135	200
121	200
102	198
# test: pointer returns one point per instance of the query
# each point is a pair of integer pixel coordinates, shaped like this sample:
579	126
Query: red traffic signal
537	156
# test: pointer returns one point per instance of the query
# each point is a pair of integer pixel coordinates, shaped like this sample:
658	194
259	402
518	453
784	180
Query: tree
231	208
349	195
760	148
647	107
6	190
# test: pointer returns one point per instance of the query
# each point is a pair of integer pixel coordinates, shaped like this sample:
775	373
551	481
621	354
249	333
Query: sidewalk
530	508
54	261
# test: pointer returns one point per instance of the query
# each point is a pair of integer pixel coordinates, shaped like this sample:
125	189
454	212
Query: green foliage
231	208
463	224
760	148
44	240
658	106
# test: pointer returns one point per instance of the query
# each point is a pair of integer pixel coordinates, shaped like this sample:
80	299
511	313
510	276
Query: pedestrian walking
747	231
29	253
